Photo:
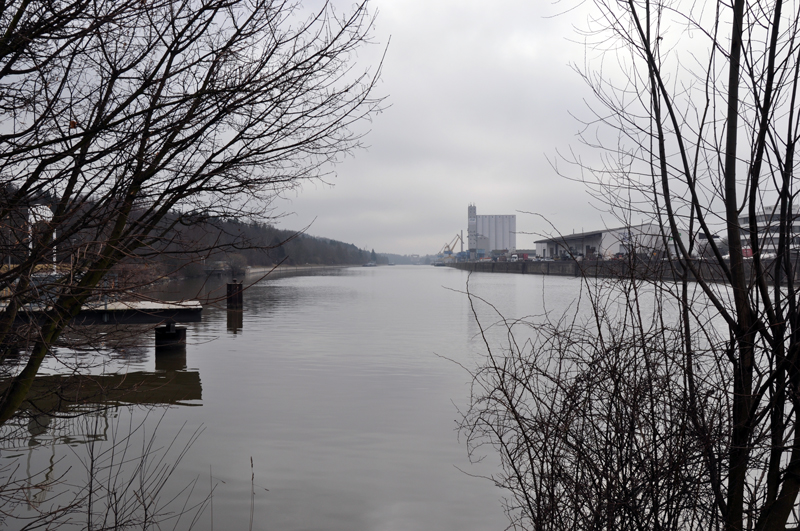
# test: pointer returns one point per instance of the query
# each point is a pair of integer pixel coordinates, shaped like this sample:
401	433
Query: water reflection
339	390
170	385
235	321
56	403
173	359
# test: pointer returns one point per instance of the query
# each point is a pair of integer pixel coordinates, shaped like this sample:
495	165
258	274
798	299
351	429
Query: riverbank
286	270
708	270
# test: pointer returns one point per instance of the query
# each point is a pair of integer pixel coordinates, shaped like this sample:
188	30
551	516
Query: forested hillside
243	244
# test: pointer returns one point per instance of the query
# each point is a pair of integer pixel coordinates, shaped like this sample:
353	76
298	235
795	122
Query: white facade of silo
501	231
490	233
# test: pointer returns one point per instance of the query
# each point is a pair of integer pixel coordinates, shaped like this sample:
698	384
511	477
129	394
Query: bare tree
671	403
131	119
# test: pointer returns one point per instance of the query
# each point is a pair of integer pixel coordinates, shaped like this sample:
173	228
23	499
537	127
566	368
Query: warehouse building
644	239
768	224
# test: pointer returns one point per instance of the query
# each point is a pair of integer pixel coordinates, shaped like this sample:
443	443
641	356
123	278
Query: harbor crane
447	250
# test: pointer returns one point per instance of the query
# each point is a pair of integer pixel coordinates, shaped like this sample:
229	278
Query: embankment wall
708	270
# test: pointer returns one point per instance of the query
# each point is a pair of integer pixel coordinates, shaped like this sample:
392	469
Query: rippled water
343	387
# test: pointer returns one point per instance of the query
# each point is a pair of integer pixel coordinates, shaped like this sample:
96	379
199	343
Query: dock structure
127	312
139	312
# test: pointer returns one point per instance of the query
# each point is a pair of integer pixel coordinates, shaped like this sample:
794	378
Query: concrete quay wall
563	267
708	270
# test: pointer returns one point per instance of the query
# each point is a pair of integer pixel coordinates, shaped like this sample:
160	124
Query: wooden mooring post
235	296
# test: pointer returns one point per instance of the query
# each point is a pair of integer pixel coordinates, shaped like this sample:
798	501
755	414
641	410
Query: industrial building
768	226
487	233
646	238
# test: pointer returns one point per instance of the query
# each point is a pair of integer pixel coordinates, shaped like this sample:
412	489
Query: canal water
329	403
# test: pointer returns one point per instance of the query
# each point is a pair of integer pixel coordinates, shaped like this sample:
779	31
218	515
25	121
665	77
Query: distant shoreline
286	269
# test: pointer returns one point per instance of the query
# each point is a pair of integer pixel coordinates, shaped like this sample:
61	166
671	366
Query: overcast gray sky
480	95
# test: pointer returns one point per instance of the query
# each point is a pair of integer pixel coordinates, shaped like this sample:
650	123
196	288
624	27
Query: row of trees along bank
240	244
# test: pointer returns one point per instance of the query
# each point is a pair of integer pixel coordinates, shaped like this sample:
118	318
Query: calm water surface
342	387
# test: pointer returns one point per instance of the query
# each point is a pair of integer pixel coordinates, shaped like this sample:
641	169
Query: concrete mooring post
235	296
170	337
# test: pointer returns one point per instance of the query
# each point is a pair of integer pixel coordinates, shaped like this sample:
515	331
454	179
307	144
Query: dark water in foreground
337	385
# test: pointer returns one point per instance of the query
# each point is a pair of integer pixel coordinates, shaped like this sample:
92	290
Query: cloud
480	97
